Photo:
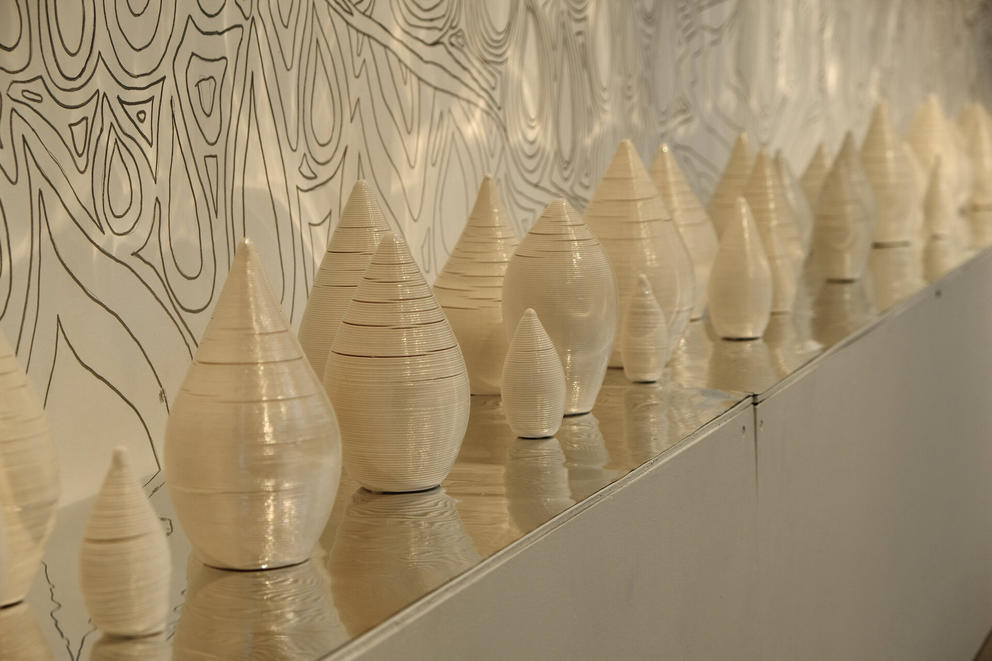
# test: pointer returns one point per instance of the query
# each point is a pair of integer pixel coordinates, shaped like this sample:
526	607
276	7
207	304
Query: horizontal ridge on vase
562	272
691	219
124	565
891	178
802	211
252	452
397	378
644	336
815	174
723	203
534	391
842	231
29	478
470	288
349	250
741	282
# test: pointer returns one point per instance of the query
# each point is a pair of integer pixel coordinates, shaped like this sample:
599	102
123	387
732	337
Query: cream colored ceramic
690	217
534	390
802	212
536	480
561	271
892	180
942	250
470	288
723	204
644	335
930	136
896	273
349	250
639	236
843	231
856	173
29	477
815	174
974	123
118	648
587	460
21	638
397	378
776	225
741	281
124	564
252	452
840	308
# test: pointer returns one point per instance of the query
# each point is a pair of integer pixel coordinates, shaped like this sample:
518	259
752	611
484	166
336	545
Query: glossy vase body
723	204
891	177
643	336
534	381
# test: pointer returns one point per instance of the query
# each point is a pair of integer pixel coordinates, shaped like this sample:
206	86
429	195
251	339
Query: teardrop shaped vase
534	381
644	338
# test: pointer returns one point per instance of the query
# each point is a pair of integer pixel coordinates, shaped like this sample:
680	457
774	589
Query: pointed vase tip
664	148
626	162
644	285
529	314
392	250
121	460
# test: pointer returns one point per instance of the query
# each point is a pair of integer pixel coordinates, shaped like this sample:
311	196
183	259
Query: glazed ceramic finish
636	230
690	217
843	231
892	180
397	378
741	282
802	212
776	225
21	638
534	381
29	477
930	136
723	203
644	336
561	271
942	249
349	250
975	126
252	453
856	173
124	565
470	288
815	174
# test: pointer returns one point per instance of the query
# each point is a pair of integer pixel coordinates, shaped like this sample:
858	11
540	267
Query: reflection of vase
839	309
891	178
742	366
783	342
252	452
536	482
636	230
690	359
118	648
842	233
533	381
645	422
690	217
275	614
586	457
723	205
397	378
21	638
391	550
561	271
802	211
29	478
896	273
124	566
470	288
942	249
815	174
643	336
349	250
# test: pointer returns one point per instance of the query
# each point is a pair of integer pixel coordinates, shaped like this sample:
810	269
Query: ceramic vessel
397	378
644	336
802	212
723	204
635	229
930	136
892	181
470	288
252	452
842	233
119	648
561	271
896	273
534	392
815	174
21	638
741	282
691	219
124	565
349	250
776	225
29	477
942	250
978	212
839	309
859	178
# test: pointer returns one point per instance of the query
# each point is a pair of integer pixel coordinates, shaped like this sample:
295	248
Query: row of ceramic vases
380	377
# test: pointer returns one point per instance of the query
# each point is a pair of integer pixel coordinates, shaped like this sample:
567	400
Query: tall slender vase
723	205
252	453
891	178
842	233
470	288
534	381
815	174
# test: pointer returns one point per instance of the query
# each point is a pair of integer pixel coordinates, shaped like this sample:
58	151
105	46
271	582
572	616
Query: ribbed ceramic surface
802	212
124	564
630	219
562	272
930	136
349	250
537	482
29	477
942	249
975	126
252	452
776	225
644	336
850	153
741	282
896	273
470	288
690	217
843	231
892	180
534	381
121	648
815	174
723	203
21	638
397	378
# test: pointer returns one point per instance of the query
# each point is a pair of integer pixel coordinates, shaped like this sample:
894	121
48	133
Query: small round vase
723	205
842	233
741	282
815	174
29	478
802	212
635	229
891	178
644	336
124	565
252	452
534	390
561	271
470	288
349	250
691	219
397	378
